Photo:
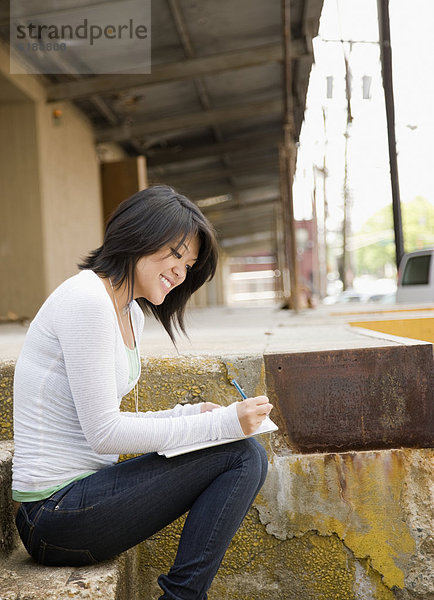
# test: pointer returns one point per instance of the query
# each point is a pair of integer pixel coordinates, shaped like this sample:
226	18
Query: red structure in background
256	278
307	256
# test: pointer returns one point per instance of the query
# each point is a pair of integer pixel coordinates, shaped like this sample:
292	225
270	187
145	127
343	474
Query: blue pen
239	389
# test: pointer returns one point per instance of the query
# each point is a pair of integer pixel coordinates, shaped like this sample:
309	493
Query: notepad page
266	426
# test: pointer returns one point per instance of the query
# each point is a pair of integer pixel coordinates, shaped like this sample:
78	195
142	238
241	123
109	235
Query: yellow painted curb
417	328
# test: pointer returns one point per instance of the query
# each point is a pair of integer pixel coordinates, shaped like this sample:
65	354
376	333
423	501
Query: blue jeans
98	517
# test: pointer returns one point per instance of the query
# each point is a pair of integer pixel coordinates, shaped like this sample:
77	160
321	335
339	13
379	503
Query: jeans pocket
51	555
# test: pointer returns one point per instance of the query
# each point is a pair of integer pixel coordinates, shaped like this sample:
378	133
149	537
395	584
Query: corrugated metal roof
209	116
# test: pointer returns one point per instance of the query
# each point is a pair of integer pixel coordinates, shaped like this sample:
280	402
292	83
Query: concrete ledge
325	401
342	526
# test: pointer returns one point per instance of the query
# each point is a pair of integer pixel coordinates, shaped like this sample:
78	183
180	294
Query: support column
288	154
22	272
120	180
50	202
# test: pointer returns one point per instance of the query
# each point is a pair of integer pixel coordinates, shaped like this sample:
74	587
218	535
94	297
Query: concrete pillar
22	272
213	293
50	200
70	190
222	278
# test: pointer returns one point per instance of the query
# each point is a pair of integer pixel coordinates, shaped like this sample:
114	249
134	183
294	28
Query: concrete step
22	578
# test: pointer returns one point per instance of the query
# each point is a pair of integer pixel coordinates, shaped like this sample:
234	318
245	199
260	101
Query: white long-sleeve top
70	377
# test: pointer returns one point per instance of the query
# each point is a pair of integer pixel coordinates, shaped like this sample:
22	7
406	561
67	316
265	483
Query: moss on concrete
258	566
359	497
6	403
166	381
343	526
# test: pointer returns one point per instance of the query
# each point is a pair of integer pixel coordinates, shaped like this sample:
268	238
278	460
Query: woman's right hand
252	412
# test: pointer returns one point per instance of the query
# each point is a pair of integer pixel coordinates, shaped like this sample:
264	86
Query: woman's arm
87	332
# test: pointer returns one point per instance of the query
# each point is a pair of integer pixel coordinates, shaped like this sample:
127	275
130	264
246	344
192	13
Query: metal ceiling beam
243	236
198	192
177	71
244	144
245	220
260	213
212	173
199	84
221	188
99	103
245	216
225	233
190	121
244	244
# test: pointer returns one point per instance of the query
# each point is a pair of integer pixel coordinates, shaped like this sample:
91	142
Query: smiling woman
153	226
76	504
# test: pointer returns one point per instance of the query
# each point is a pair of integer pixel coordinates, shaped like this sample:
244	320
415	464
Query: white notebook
266	426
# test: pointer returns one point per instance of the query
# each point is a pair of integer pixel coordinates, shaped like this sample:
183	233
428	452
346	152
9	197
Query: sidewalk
255	330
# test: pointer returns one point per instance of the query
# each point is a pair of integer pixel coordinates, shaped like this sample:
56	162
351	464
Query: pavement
227	330
335	483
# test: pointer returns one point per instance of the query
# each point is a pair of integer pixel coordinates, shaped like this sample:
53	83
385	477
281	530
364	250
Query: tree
375	240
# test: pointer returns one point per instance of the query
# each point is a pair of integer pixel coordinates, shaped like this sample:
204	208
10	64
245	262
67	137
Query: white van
416	277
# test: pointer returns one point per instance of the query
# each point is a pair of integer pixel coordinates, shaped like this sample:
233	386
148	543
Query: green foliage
377	231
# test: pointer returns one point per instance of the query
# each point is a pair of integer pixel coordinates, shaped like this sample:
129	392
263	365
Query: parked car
353	296
416	277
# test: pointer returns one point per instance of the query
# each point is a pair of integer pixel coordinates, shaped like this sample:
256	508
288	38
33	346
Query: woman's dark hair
143	224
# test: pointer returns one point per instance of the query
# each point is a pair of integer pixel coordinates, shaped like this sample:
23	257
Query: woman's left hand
207	406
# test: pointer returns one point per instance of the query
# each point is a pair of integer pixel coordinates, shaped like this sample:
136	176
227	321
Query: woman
76	504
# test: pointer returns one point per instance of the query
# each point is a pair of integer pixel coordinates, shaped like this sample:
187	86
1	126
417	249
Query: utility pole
386	67
346	226
287	162
325	207
347	277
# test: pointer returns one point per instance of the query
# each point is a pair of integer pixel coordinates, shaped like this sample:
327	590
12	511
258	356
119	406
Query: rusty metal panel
356	399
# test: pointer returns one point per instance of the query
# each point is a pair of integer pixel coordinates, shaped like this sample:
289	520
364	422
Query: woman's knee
255	454
263	458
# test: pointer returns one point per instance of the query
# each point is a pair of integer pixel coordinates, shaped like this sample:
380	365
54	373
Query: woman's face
159	273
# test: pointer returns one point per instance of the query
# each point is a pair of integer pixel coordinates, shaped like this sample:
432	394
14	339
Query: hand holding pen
251	411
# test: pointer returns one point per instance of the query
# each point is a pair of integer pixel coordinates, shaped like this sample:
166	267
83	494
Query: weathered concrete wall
345	526
331	526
